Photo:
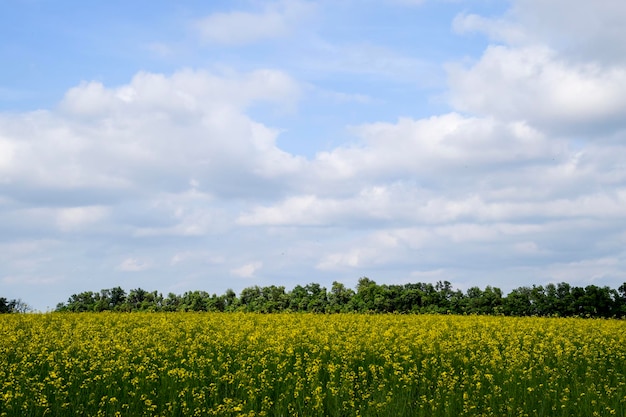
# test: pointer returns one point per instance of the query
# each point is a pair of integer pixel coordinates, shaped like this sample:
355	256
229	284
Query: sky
194	145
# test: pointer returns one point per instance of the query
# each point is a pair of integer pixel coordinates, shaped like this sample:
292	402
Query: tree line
560	299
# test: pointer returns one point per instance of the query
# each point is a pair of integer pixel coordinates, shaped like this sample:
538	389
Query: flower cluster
238	364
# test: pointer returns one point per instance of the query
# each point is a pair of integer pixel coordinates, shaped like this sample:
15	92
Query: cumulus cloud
557	65
186	92
535	85
156	132
450	169
451	151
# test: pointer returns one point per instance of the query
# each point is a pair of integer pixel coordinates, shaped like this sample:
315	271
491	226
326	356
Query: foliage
560	300
13	306
174	364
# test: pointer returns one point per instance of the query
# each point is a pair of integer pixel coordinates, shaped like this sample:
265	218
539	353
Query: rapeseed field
237	364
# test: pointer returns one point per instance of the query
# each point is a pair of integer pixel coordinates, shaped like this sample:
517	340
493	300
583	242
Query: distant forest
561	300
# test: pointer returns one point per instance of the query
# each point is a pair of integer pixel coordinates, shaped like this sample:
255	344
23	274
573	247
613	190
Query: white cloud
134	265
353	258
157	131
276	19
75	218
247	270
450	169
7	155
309	210
533	84
448	150
186	92
189	213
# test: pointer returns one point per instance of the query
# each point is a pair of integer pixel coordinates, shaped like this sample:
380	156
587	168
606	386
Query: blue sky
211	145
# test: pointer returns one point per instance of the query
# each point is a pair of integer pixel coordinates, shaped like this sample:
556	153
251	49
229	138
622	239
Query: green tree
564	300
172	302
298	299
84	301
194	301
274	299
317	298
250	299
371	297
4	306
599	302
230	300
518	303
411	298
339	298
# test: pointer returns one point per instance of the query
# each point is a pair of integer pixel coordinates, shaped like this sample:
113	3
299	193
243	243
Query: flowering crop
184	364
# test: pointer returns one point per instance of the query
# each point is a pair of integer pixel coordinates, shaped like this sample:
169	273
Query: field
183	364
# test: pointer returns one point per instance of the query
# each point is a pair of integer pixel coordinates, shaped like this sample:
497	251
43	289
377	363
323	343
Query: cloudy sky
198	145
